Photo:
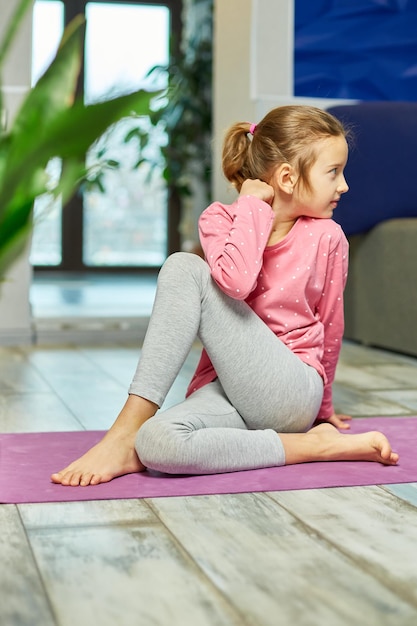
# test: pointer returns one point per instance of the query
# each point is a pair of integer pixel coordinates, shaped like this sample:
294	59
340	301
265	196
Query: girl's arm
330	310
233	238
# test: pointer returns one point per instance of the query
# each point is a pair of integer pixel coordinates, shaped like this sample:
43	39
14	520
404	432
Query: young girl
267	305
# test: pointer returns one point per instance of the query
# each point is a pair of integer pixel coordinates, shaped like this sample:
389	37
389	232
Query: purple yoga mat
28	459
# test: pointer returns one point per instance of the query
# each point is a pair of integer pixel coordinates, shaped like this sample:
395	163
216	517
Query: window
123	223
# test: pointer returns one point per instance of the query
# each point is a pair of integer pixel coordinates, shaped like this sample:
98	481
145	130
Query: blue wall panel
360	49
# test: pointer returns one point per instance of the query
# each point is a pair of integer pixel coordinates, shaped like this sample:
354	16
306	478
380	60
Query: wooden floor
328	557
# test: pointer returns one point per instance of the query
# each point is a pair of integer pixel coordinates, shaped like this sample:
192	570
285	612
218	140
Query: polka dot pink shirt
295	286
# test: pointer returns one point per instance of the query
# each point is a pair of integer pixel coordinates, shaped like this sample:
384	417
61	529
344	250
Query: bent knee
186	262
160	444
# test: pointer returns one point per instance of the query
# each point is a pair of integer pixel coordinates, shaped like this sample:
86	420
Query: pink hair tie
252	128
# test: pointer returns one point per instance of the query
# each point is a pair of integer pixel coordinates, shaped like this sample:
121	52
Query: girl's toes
87	479
73	480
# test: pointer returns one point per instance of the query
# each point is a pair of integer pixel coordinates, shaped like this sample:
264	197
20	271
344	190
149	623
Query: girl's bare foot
115	454
326	443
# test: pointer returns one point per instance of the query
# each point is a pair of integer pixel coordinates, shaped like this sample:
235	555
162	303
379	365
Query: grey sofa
379	217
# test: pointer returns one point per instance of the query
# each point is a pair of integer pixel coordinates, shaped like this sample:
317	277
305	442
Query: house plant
51	122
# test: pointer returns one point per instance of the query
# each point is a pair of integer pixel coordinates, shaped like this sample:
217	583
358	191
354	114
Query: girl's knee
185	262
158	444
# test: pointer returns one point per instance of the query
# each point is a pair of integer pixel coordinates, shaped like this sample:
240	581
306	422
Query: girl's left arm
330	310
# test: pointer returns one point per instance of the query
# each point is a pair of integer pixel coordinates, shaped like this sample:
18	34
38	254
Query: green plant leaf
91	121
14	246
69	135
72	175
14	233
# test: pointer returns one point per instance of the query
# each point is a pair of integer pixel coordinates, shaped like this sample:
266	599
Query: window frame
72	213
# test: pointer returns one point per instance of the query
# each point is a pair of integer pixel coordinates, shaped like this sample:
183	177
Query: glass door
121	221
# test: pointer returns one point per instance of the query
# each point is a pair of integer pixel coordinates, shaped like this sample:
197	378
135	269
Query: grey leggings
262	387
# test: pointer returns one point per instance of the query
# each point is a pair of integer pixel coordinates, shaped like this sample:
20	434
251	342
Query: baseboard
16	337
92	331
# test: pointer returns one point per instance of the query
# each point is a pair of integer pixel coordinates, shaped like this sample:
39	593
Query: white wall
253	67
232	79
15	315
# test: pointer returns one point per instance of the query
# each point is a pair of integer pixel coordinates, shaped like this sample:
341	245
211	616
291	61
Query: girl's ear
285	178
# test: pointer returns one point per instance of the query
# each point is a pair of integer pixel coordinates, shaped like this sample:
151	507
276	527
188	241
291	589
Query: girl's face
326	178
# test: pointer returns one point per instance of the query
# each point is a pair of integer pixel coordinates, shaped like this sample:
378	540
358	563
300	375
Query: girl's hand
339	420
259	189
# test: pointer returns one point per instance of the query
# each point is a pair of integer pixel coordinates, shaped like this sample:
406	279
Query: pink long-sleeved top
295	286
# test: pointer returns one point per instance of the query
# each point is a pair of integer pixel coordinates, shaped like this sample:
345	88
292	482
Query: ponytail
236	147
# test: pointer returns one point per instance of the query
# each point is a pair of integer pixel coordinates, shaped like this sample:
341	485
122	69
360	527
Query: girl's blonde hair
286	134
